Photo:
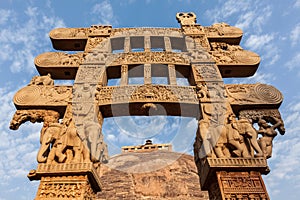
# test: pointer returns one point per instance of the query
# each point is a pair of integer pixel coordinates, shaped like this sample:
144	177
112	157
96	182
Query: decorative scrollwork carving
43	95
253	94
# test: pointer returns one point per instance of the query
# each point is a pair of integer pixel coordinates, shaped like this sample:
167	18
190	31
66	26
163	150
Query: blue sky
271	29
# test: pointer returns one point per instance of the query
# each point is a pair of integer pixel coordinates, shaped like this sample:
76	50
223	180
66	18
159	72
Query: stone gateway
236	122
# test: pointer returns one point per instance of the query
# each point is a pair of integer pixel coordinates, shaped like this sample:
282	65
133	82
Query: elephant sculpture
66	146
51	136
229	140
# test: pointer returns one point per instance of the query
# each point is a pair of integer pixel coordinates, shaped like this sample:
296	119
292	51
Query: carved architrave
69	33
225	54
59	59
174	32
151	57
40	95
255	94
222	30
148	93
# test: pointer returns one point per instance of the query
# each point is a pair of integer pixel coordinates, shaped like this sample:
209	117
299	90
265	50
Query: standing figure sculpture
268	133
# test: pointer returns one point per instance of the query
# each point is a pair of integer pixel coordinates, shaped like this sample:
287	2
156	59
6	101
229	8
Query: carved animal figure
42	80
230	141
51	136
247	130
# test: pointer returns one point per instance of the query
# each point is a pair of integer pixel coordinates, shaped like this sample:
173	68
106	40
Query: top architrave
75	39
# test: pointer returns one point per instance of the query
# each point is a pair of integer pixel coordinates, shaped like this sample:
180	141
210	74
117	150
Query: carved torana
115	73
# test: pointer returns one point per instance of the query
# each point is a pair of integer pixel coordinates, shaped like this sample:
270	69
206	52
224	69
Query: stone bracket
67	169
212	165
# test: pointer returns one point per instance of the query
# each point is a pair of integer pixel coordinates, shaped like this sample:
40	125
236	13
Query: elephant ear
52	132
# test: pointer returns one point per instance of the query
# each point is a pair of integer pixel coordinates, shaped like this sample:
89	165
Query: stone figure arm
279	126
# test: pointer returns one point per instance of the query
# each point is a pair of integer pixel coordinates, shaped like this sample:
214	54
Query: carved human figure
268	133
202	92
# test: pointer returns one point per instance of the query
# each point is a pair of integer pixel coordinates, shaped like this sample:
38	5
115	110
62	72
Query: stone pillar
147	43
147	73
66	181
172	74
168	46
234	178
127	45
124	75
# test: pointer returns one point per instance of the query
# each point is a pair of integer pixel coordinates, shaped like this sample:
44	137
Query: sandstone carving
66	33
236	122
224	53
268	133
222	30
42	80
51	59
253	94
100	30
110	95
186	18
43	95
152	57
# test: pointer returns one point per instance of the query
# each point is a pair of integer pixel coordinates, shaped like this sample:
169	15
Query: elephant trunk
43	153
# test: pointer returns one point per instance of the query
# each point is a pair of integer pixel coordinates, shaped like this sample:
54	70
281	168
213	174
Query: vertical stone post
172	74
147	73
124	75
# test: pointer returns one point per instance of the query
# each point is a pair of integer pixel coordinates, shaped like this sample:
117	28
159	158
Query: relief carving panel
224	54
152	93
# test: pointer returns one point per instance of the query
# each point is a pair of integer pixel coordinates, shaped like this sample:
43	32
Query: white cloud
257	42
17	148
297	4
21	37
265	46
104	13
5	15
294	62
295	35
246	14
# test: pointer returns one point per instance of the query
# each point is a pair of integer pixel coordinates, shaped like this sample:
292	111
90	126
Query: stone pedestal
66	181
234	178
